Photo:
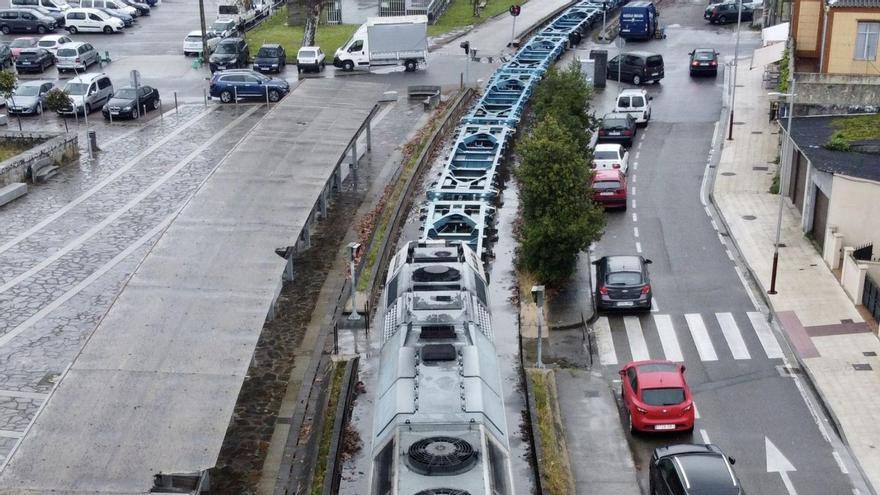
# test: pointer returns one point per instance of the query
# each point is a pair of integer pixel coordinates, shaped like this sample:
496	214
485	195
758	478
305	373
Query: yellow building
837	36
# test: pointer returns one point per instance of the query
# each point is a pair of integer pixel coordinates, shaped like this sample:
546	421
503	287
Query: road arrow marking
778	463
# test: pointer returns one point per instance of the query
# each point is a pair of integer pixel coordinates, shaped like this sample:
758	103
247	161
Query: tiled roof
870	4
811	133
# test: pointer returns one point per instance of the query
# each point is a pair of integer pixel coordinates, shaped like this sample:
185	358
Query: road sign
619	42
514	10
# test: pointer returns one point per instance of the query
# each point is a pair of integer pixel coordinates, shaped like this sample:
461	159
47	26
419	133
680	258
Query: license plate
114	112
625	303
704	63
25	63
655	74
221	67
664	427
614	133
606	194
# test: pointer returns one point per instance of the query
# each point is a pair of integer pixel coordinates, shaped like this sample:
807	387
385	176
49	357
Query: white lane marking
635	217
733	336
97	187
85	236
654	306
696	411
604	342
635	231
52	306
633	191
748	288
634	179
637	154
635	165
765	335
701	337
668	338
729	254
714	225
636	338
714	135
639	247
639	146
634	203
840	463
705	436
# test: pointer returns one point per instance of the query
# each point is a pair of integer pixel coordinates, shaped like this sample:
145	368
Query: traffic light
466	45
514	10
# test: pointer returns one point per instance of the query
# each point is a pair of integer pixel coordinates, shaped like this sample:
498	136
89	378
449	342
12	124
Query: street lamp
352	256
538	298
739	12
786	157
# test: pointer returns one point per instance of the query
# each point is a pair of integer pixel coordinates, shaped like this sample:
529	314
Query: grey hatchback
693	469
623	282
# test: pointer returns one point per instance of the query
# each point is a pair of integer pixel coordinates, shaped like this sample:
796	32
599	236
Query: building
837	36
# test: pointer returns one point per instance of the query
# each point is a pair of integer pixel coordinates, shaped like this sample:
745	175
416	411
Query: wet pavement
69	245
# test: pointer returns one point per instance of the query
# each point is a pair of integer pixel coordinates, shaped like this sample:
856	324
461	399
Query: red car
18	44
609	188
657	397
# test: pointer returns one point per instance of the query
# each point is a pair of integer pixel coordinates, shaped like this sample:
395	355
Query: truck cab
354	52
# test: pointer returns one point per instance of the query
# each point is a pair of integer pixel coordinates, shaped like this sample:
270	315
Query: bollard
235	94
175	102
205	94
111	116
93	141
161	111
267	95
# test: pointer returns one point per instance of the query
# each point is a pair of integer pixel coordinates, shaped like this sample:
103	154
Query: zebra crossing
721	335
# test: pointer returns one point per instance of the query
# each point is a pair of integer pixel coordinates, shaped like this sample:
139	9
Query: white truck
401	40
235	10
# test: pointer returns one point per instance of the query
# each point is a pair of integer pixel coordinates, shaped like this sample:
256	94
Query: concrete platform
12	192
154	387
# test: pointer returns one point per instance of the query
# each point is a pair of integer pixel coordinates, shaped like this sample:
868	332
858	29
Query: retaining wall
61	148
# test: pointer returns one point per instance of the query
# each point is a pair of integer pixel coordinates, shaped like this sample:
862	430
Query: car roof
195	33
32	82
624	263
606	174
707	473
309	47
87	78
272	45
608	147
659	374
642	53
632	92
75	44
230	40
55	37
616	115
32	50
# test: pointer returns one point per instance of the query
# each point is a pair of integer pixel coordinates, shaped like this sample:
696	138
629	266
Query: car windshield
222	25
307	53
225	48
27	91
20	43
268	52
652	367
193	38
638	101
76	88
27	56
125	94
66	52
47	43
663	396
624	278
614	123
704	55
606	184
605	155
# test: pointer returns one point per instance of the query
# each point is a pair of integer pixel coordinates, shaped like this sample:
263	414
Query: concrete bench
12	192
422	91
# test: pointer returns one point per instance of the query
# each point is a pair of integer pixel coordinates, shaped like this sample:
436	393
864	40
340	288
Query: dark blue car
228	85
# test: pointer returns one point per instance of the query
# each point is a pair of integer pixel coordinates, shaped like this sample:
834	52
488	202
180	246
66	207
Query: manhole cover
728	174
739	123
862	367
749	217
781	244
869	353
759	168
757	132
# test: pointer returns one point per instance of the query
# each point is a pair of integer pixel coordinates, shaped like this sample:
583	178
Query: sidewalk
823	326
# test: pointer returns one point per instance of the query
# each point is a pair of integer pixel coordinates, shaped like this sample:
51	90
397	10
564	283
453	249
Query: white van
109	4
51	5
91	20
635	102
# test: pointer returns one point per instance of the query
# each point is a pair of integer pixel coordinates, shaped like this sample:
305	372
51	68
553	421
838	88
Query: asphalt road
743	396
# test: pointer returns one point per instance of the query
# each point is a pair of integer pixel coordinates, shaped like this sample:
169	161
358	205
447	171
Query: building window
866	40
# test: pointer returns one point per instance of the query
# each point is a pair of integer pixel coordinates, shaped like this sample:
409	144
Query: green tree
8	80
565	95
559	216
57	100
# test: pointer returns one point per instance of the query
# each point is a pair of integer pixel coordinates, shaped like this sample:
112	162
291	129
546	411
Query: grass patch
555	474
460	13
861	128
275	30
774	186
337	375
10	149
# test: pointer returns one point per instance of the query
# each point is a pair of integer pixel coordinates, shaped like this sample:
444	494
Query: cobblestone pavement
67	247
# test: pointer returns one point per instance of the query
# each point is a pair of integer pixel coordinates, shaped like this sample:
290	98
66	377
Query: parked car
28	97
310	58
19	44
704	61
636	67
91	20
129	102
227	85
23	20
52	42
127	20
623	282
108	4
51	5
270	58
142	8
617	128
192	44
6	58
34	60
609	188
635	102
76	56
56	15
225	27
87	92
657	397
229	53
611	156
722	13
692	470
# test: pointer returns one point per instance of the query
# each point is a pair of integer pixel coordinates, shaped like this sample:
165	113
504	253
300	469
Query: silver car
28	97
77	56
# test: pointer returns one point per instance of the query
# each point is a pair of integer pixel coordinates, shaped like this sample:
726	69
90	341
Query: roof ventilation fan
441	456
436	273
443	491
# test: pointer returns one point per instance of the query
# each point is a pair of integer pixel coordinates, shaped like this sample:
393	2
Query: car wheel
87	109
322	66
410	65
108	30
274	96
347	65
5	29
299	69
156	104
41	29
73	29
39	109
636	79
722	20
226	96
629	421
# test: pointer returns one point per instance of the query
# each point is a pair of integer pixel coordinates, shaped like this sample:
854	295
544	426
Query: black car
623	282
126	19
231	53
57	16
142	8
270	58
722	13
25	21
6	59
636	67
34	60
617	128
704	61
693	470
128	102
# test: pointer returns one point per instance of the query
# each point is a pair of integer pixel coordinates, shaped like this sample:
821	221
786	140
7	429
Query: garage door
800	181
820	217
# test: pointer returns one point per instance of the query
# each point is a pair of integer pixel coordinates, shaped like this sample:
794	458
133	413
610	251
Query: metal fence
430	8
333	12
871	296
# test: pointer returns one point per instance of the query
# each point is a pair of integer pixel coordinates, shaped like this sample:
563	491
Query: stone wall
833	94
61	148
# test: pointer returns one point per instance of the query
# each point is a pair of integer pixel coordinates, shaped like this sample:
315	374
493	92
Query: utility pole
739	14
204	31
